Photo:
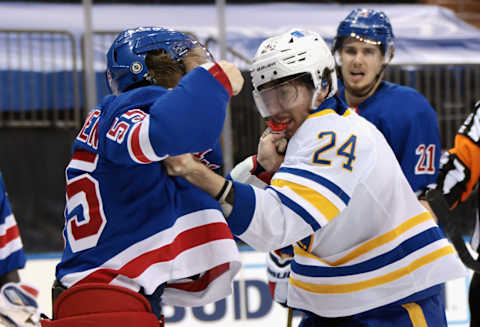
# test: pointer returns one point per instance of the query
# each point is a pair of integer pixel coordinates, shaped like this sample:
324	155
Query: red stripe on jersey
271	286
220	76
30	290
84	155
184	241
202	283
11	234
135	144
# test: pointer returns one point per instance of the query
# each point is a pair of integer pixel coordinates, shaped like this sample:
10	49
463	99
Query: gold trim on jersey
321	203
373	282
305	247
416	315
373	243
328	111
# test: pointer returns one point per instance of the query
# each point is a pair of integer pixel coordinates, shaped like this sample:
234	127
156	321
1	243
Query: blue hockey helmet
367	25
126	57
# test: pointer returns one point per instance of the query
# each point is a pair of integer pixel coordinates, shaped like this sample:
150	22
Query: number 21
426	161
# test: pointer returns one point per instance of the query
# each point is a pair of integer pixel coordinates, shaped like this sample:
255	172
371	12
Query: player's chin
357	87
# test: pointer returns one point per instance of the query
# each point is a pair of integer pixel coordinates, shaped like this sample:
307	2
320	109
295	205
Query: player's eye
350	51
286	93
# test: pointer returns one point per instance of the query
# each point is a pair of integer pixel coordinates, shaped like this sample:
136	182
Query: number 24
347	150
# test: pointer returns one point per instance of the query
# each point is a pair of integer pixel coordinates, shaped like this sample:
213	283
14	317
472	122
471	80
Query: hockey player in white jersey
366	251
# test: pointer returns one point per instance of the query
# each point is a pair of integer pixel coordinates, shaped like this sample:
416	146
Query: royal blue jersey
127	222
410	126
12	256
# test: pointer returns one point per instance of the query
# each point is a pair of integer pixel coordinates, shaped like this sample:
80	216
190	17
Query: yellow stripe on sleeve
321	203
369	283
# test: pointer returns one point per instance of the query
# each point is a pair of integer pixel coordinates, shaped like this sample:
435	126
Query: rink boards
249	305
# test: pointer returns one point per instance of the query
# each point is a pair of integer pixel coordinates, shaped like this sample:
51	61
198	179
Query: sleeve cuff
257	168
218	73
259	172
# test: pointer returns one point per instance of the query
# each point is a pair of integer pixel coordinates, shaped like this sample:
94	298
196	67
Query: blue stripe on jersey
295	207
243	208
15	260
401	251
5	209
318	179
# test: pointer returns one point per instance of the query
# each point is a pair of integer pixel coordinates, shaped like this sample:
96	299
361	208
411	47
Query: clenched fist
234	76
270	150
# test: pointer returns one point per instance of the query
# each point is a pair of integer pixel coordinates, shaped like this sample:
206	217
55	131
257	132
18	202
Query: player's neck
354	99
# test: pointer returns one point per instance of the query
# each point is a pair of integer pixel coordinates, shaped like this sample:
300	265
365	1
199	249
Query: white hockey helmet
295	52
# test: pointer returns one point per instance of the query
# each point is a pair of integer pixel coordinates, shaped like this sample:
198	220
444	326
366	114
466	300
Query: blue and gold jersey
361	238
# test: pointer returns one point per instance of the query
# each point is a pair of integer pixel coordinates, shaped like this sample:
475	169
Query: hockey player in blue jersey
135	238
366	252
18	304
364	46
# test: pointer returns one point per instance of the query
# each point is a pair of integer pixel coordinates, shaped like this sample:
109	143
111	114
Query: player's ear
319	96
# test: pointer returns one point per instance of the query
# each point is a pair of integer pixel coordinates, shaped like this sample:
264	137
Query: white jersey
362	238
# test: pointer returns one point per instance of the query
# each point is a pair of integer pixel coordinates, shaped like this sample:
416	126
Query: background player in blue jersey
366	252
364	46
135	238
18	304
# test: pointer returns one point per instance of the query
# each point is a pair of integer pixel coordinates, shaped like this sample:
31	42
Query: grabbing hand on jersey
187	166
180	165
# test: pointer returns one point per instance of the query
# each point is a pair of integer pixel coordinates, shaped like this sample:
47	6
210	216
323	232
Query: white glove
18	305
278	272
243	172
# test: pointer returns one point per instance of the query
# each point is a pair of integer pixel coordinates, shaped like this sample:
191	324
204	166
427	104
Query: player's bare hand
181	165
234	76
280	144
268	154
